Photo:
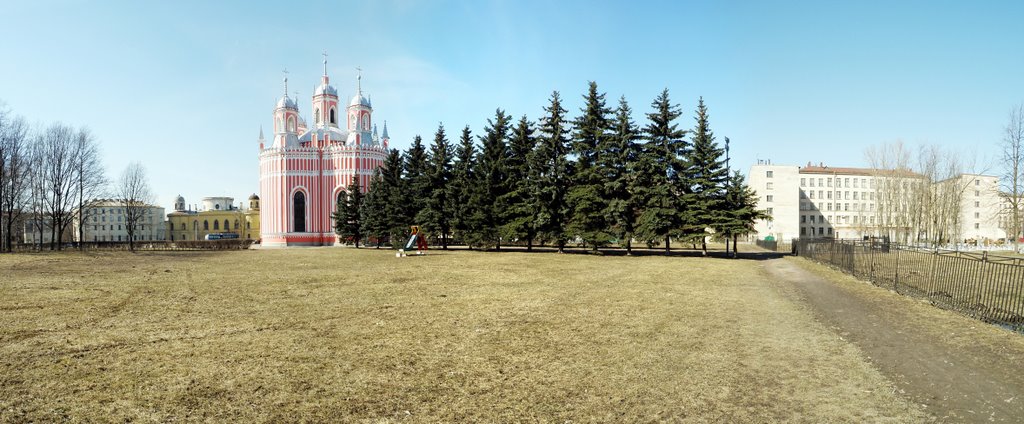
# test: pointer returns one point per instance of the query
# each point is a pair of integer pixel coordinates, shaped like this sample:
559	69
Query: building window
332	116
811	193
977	215
803	219
811	181
768	186
770	210
236	224
316	115
216	224
247	227
977	182
977	204
977	193
803	182
769	198
803	231
821	182
830	182
769	174
206	225
226	225
299	212
977	226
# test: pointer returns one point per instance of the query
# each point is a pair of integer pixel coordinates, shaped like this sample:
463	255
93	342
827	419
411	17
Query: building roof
869	172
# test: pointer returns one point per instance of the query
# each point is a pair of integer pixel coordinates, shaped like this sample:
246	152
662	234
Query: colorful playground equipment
416	237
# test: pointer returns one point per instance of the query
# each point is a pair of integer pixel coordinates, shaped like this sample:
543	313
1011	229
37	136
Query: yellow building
217	215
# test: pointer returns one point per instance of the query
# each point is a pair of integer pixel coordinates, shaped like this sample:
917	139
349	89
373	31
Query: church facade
305	170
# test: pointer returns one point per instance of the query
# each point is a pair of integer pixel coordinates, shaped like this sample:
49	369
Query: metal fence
986	286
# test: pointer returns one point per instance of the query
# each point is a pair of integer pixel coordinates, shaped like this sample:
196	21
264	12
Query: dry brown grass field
345	335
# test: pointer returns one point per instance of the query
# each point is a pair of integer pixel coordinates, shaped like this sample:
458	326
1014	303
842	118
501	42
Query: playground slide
411	243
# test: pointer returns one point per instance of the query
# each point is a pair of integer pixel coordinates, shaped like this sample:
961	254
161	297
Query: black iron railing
987	286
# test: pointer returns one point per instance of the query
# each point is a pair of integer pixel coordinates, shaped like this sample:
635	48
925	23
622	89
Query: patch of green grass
359	335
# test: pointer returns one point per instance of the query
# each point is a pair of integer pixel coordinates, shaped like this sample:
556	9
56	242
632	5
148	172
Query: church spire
359	81
325	78
384	134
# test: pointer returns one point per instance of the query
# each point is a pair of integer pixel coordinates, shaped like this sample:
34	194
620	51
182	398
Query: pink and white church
305	170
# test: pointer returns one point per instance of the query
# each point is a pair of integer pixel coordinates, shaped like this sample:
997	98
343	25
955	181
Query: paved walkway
958	369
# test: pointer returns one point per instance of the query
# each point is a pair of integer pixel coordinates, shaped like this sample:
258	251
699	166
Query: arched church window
216	224
206	225
226	226
333	118
247	226
182	226
341	197
236	224
291	124
366	122
316	114
299	212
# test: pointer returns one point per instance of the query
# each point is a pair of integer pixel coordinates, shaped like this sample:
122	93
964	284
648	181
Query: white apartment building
778	194
105	222
836	202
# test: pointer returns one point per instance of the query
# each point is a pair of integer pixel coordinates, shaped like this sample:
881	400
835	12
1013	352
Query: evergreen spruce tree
617	159
492	179
553	177
464	183
708	178
741	210
586	199
417	180
662	172
395	199
518	205
347	220
372	212
436	215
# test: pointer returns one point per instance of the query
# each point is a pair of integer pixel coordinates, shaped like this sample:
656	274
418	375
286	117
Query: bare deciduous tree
134	194
89	175
59	150
1012	181
14	169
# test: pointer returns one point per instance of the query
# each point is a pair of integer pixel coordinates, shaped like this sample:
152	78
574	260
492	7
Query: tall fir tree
617	158
464	183
661	167
708	178
436	215
741	210
372	213
492	177
417	179
518	205
347	218
587	200
396	198
553	177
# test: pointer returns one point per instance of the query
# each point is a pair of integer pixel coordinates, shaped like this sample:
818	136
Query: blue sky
184	86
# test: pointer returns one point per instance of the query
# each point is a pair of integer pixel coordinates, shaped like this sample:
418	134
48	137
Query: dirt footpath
957	368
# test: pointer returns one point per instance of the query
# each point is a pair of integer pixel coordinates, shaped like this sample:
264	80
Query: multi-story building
105	221
779	195
822	201
217	215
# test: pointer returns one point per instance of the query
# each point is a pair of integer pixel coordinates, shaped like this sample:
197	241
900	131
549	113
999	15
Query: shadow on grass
756	255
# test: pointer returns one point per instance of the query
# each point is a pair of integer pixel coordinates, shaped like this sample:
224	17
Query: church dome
254	197
287	102
359	100
326	89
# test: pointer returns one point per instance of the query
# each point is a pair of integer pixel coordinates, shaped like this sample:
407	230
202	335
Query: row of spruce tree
596	180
